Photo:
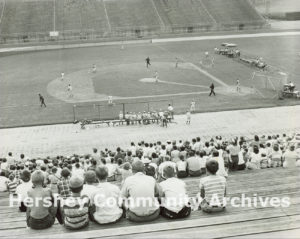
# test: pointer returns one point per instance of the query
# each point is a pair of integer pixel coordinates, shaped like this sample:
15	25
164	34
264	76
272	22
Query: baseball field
122	73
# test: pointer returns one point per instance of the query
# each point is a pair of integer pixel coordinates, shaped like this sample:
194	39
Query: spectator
12	184
63	185
139	187
75	209
3	182
221	167
193	165
167	162
40	216
90	184
212	189
102	211
255	158
173	196
23	189
181	167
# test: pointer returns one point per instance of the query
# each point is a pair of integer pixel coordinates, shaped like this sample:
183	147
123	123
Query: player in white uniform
193	106
156	76
176	62
110	100
188	117
238	86
62	75
94	68
70	90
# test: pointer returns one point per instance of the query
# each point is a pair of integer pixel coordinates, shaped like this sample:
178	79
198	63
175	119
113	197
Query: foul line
176	83
105	10
196	68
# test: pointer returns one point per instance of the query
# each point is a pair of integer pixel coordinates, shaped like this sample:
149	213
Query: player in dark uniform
148	62
212	89
42	100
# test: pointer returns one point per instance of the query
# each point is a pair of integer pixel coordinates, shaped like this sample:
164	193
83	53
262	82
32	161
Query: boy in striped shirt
212	189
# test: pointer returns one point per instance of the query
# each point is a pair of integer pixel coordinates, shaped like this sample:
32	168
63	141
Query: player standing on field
148	62
62	76
42	100
94	68
188	117
156	76
176	62
212	89
238	86
70	90
193	106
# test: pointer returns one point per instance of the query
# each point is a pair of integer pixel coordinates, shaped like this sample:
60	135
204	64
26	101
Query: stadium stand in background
93	19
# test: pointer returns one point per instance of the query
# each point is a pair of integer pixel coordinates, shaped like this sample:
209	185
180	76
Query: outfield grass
23	76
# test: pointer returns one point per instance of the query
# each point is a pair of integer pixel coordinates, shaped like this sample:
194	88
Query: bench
266	183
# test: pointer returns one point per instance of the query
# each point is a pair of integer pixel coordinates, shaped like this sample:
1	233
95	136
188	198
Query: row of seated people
140	199
184	159
146	117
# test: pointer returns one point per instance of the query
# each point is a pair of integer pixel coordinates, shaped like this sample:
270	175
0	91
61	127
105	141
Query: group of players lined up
162	116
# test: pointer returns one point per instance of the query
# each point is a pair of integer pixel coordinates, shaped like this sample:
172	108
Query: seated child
212	188
41	213
75	209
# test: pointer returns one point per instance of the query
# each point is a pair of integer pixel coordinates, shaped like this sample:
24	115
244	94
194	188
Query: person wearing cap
105	202
90	183
139	192
40	215
75	209
23	188
63	185
174	200
212	188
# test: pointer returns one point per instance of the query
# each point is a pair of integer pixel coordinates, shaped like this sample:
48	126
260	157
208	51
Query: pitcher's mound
148	80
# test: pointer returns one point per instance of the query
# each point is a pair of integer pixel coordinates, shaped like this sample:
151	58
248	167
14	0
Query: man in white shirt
90	184
174	200
23	189
3	182
105	203
139	192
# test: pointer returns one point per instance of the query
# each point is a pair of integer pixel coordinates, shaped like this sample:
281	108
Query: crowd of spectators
147	170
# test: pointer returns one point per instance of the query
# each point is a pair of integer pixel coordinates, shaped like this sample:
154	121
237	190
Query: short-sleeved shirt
193	164
107	210
137	188
175	197
76	212
63	188
214	187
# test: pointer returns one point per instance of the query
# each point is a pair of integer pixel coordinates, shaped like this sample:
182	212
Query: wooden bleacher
233	222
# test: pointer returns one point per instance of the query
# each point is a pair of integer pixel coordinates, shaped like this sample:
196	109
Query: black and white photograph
150	119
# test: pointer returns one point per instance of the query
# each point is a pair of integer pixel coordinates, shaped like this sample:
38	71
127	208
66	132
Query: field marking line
106	15
2	12
233	36
183	84
144	41
208	13
159	17
196	68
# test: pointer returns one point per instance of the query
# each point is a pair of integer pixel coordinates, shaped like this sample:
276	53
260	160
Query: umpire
212	89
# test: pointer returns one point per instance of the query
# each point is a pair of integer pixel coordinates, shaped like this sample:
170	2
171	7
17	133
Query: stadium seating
183	13
33	19
131	14
232	12
225	224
